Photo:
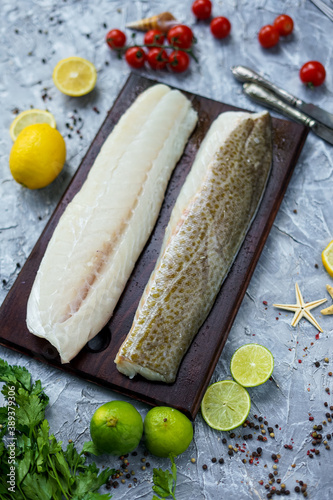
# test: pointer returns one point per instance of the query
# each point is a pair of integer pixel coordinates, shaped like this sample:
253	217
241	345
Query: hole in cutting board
100	342
50	352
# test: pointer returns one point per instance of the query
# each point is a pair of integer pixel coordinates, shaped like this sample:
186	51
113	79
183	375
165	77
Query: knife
243	74
267	98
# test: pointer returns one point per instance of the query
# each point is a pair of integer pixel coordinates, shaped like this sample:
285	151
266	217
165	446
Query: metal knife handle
267	98
244	74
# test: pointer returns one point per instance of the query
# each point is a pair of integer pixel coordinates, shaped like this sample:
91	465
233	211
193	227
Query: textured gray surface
36	34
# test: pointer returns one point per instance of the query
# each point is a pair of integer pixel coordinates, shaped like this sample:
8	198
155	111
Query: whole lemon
37	156
116	428
167	431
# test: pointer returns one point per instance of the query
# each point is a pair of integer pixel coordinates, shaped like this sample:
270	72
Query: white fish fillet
103	230
206	229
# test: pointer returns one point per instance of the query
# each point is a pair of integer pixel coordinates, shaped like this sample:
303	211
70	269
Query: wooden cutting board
96	361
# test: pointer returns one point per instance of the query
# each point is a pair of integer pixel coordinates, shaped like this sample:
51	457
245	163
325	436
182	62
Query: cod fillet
208	224
103	230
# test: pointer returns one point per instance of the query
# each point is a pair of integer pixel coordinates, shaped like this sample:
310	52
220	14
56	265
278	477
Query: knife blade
244	74
267	98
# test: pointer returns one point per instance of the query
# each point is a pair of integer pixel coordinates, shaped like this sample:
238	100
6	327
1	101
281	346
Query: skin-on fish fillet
207	227
104	229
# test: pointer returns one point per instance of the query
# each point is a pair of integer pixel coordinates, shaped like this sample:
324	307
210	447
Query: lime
37	156
30	117
75	76
167	431
225	405
116	428
327	258
251	365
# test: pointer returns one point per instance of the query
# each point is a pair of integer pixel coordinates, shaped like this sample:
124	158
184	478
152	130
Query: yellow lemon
327	258
29	117
74	76
37	156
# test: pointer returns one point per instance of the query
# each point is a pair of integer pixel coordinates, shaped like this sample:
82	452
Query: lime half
251	365
225	405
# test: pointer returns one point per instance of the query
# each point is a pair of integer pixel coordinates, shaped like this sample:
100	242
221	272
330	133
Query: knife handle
267	98
244	74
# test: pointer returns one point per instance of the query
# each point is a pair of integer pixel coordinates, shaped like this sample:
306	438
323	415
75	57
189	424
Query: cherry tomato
284	24
135	57
157	58
312	73
154	36
268	36
116	39
202	9
180	36
220	27
179	61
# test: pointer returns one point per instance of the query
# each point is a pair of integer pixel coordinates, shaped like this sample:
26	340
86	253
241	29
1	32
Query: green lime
167	431
225	405
251	365
116	428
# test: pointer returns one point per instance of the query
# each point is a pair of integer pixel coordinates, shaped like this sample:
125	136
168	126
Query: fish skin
103	230
207	226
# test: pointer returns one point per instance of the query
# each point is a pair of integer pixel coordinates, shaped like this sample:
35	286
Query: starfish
302	309
328	310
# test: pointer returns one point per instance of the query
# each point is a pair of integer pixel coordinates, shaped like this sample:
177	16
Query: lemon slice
225	405
74	76
251	365
30	117
327	258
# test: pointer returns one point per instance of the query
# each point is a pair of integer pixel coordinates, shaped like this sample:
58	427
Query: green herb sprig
32	462
165	481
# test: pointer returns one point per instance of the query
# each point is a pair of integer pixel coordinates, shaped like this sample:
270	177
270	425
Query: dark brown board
96	361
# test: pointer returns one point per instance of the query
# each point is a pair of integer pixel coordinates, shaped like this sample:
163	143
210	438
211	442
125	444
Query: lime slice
30	117
251	365
225	405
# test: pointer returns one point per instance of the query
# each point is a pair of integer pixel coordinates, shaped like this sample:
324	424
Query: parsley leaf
165	481
14	375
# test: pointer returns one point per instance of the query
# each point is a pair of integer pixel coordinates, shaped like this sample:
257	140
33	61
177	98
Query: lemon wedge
75	76
30	117
327	258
